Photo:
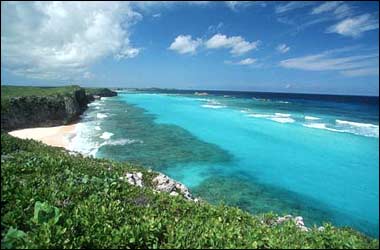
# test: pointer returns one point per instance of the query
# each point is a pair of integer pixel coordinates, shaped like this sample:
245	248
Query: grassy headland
24	106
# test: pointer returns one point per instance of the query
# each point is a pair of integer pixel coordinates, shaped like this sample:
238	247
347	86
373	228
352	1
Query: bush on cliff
51	199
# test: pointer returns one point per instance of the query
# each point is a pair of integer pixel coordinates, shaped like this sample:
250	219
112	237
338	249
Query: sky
300	47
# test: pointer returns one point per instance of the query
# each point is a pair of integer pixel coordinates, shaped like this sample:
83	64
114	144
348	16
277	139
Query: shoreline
58	136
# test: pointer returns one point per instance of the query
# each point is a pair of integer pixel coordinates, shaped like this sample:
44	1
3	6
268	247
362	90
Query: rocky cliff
44	111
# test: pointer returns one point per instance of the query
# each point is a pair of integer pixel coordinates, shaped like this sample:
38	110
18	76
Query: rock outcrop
161	183
43	111
93	94
46	111
298	220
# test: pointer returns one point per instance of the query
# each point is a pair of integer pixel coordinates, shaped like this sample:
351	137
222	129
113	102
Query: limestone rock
298	220
133	179
163	183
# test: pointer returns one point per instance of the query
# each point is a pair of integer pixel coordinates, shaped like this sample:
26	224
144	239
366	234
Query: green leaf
45	213
13	238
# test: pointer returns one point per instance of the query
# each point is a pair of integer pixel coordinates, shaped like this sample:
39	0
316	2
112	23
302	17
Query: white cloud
61	40
355	26
325	7
235	5
237	44
128	52
215	28
361	72
283	48
157	15
185	44
338	8
282	8
247	61
343	11
353	65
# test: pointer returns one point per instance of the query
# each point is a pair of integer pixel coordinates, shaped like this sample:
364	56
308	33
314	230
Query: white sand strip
53	136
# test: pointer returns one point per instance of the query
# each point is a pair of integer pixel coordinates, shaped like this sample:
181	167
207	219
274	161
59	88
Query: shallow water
292	154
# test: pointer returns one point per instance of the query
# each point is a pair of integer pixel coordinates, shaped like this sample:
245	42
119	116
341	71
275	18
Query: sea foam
106	135
365	129
122	142
282	119
213	106
311	118
357	124
282	115
101	115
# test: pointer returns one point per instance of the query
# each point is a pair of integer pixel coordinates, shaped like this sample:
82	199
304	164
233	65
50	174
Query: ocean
316	156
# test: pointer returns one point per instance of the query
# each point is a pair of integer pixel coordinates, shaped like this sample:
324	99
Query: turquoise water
289	156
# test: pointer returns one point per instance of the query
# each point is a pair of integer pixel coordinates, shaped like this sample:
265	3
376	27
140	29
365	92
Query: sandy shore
53	136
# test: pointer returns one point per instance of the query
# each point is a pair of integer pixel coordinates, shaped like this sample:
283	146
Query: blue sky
306	47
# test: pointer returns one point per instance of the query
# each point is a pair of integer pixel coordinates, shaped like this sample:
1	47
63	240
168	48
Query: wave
101	115
96	103
357	124
97	128
282	115
213	106
362	129
122	142
311	118
260	115
106	135
282	119
321	126
365	129
277	117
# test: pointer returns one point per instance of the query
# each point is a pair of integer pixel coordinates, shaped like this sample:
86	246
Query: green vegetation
51	199
99	91
8	92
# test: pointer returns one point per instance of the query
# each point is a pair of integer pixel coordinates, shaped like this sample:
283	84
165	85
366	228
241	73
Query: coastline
58	136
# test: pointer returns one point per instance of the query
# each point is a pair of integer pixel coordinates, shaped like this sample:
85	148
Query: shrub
51	199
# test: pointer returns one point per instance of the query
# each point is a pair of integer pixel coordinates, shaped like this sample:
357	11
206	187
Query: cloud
283	48
157	15
355	26
128	52
361	72
237	44
61	40
282	8
325	7
247	61
184	44
338	8
215	28
343	11
352	65
235	5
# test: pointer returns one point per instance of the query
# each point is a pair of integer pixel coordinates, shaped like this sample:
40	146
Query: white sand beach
58	136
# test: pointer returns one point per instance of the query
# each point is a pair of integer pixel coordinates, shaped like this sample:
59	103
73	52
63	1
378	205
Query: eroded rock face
43	111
